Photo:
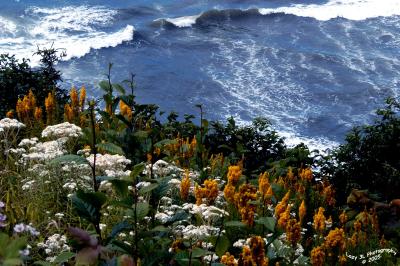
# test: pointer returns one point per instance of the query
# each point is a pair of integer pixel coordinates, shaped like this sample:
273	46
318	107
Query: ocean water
314	68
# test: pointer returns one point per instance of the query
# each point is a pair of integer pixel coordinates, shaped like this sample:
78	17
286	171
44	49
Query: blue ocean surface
314	68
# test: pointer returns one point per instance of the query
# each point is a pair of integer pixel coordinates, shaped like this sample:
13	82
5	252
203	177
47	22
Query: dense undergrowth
114	182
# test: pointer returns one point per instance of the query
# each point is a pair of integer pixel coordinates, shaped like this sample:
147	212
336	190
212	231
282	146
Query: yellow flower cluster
264	188
125	110
185	186
182	148
328	194
284	218
317	256
209	192
255	254
343	218
72	110
234	173
228	260
319	220
281	206
27	110
50	104
293	232
336	238
306	174
302	211
243	198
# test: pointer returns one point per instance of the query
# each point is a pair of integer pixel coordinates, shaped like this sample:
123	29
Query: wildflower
245	257
229	193
343	217
319	220
306	174
228	260
264	186
357	226
243	198
82	97
293	231
63	130
50	104
38	114
317	256
234	173
281	206
289	175
19	228
284	218
342	259
10	114
177	245
336	238
184	186
68	113
329	194
302	211
258	251
74	98
209	192
125	110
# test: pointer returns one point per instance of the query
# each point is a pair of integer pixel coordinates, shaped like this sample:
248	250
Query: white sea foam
349	9
182	22
78	29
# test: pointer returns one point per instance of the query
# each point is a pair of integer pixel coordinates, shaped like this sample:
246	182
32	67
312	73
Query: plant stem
93	147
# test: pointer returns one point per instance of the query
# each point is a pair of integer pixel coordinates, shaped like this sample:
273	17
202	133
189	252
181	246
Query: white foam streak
349	9
182	22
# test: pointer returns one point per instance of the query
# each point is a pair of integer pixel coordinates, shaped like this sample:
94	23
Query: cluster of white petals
63	130
110	165
208	213
54	245
196	232
8	123
44	151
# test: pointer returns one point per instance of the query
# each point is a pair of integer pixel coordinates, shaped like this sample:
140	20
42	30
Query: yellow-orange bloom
68	113
234	173
10	114
258	251
302	211
263	184
229	193
247	193
185	186
38	114
317	256
74	98
284	217
50	104
306	174
281	206
82	97
125	110
293	232
336	238
228	260
319	220
208	192
343	217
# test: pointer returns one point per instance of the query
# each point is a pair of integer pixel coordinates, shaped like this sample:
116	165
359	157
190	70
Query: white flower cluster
54	245
196	232
63	130
162	168
207	213
110	165
44	151
9	124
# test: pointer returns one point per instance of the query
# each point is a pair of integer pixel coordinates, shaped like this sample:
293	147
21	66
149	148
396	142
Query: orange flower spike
319	220
258	251
343	217
74	98
284	218
31	102
82	98
317	256
306	174
293	232
302	211
229	193
290	174
10	114
234	173
228	260
38	114
185	186
336	238
281	206
263	184
68	113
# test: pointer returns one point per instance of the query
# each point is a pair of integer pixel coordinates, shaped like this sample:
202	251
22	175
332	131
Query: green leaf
110	148
69	158
141	134
234	224
88	204
268	222
118	228
121	186
137	170
199	252
42	263
105	86
119	88
64	257
148	188
142	209
222	245
12	262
